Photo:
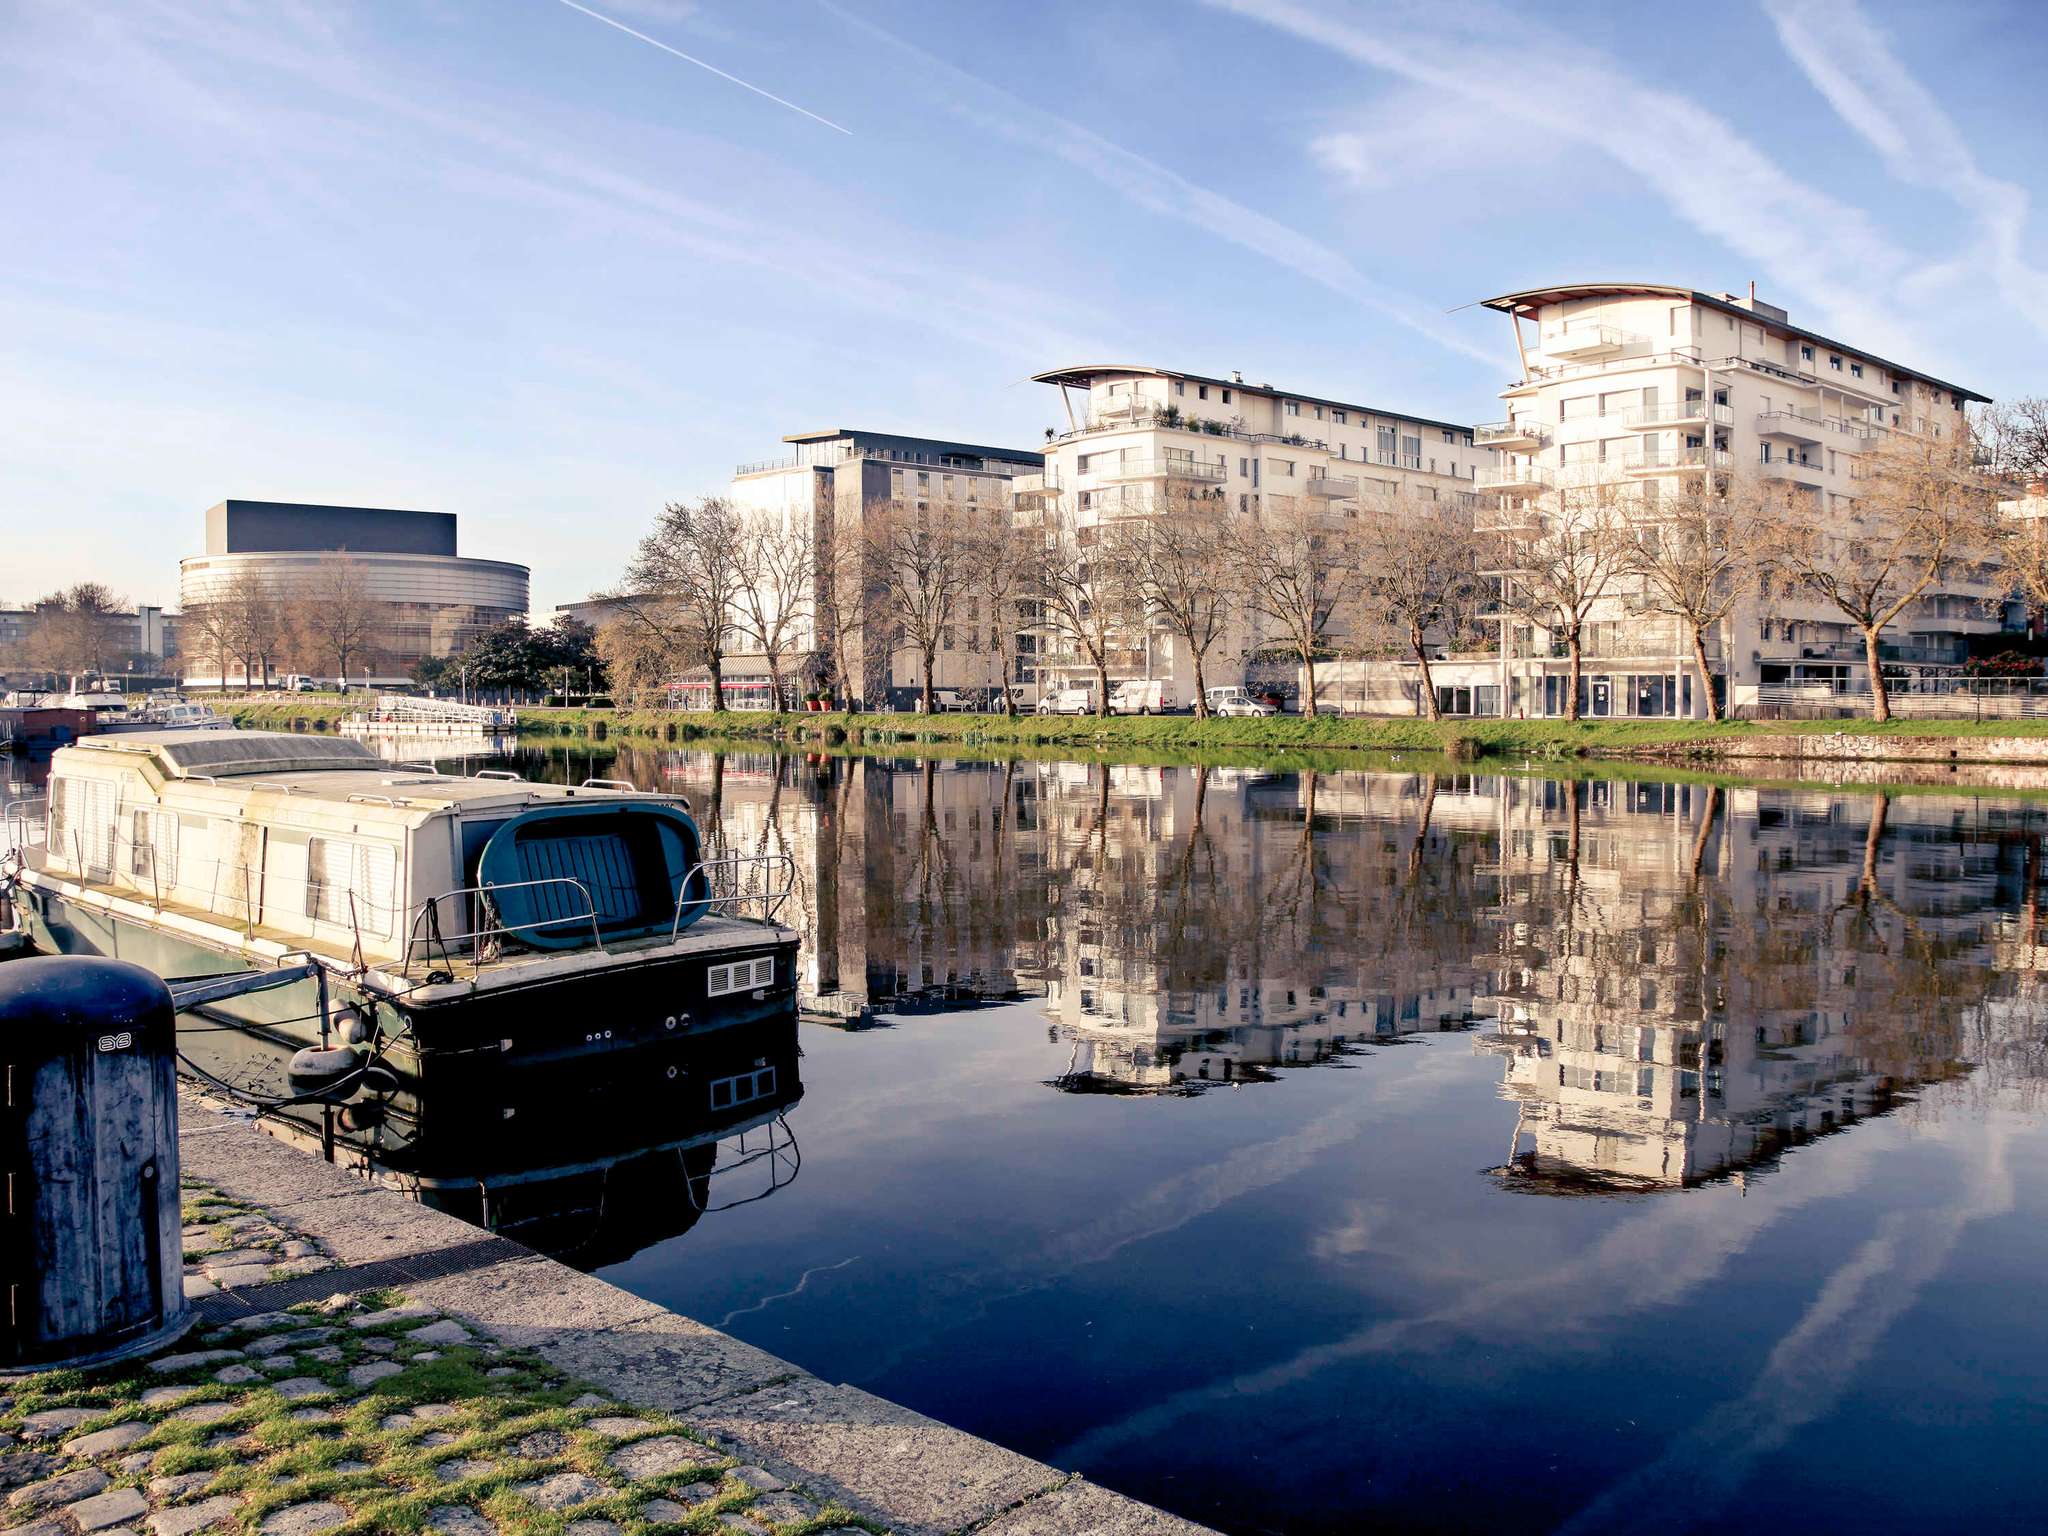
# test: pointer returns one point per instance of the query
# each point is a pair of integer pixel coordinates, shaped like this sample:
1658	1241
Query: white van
1068	701
1139	696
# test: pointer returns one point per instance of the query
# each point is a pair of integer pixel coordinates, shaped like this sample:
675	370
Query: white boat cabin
284	841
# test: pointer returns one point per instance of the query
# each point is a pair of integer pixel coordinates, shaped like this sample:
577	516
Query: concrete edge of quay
890	1465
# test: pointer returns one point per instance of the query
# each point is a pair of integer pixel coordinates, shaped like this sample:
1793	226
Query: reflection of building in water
1689	979
1208	925
911	874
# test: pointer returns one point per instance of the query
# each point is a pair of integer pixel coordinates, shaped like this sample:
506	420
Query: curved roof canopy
1529	300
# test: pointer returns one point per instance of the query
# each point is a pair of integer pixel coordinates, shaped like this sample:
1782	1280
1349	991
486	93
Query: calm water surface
1319	1151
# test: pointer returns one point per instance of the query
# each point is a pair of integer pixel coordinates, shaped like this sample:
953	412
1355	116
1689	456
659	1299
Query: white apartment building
1636	386
1137	438
829	480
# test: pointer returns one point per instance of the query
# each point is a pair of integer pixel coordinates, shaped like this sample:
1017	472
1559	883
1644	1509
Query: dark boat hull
610	1040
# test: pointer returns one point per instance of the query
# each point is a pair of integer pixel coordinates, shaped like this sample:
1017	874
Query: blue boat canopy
548	870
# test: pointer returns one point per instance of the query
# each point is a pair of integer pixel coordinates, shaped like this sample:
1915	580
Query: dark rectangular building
265	527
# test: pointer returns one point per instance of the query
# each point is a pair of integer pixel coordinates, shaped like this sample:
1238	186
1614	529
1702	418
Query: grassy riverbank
1459	739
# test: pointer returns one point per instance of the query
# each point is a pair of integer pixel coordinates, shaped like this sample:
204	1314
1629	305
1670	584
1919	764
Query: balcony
1161	469
1789	425
1583	341
1332	487
1514	480
1674	461
1678	413
1802	471
1524	435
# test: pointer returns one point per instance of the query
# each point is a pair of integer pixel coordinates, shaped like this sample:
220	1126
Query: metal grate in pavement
224	1306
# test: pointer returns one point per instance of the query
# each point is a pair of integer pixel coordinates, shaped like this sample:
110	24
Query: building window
1319	412
1179	388
1339	417
1201	391
1806	354
1855	370
1244	466
1294	407
1226	397
1835	363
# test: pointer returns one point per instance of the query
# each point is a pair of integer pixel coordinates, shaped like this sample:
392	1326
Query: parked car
1230	702
1140	696
1068	701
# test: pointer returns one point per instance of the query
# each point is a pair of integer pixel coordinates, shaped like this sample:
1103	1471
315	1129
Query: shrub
1464	747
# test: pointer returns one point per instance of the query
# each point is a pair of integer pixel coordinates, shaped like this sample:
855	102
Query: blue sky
499	258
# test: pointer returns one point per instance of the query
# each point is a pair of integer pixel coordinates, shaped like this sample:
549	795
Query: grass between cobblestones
359	1425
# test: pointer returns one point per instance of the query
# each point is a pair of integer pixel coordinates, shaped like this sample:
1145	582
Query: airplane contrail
692	59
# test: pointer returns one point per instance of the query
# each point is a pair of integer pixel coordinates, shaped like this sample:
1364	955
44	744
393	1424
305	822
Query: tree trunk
1571	703
1880	699
1428	700
930	668
716	667
1102	690
1699	661
1201	690
774	686
1308	673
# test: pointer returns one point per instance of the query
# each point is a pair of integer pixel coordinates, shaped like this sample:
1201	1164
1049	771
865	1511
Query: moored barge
475	936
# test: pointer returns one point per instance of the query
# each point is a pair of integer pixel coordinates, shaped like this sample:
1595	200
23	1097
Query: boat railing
730	886
776	1147
24	824
425	937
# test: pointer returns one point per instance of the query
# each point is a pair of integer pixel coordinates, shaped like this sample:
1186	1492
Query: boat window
82	823
351	884
153	849
740	976
742	1089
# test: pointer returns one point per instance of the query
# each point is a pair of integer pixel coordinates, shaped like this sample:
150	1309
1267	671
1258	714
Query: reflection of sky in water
1777	1051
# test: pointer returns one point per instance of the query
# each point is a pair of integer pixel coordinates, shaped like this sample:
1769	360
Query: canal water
1322	1151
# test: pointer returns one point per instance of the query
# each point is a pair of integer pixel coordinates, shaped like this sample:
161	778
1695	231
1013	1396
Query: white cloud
1850	62
1404	141
1156	189
1516	77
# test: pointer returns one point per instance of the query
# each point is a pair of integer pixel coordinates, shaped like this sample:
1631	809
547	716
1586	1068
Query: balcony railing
1676	413
1519	434
1665	461
1332	487
1171	468
1514	479
1794	469
1584	340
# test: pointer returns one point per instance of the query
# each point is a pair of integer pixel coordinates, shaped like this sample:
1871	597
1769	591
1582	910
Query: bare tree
1302	574
1695	556
636	658
254	621
683	585
78	629
1559	562
922	560
211	621
1084	583
1186	577
1001	573
2010	440
774	608
846	581
341	617
1419	567
1925	516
